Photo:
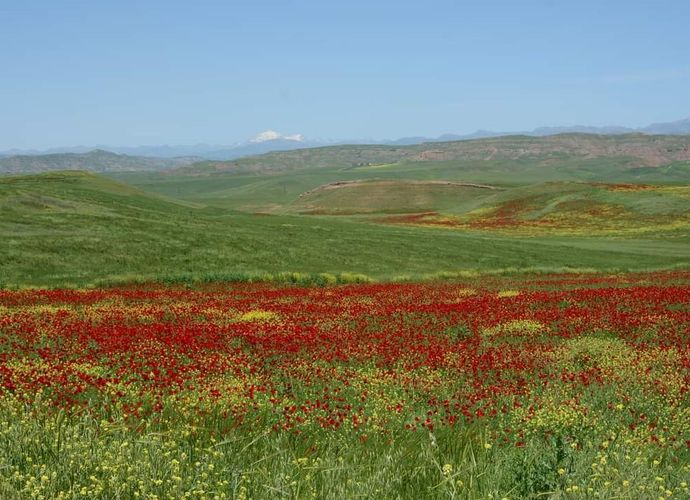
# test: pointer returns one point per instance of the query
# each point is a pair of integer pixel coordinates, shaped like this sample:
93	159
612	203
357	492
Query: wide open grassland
501	327
78	229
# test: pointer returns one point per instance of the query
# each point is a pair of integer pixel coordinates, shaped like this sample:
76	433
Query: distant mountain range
625	151
93	161
680	127
263	142
107	158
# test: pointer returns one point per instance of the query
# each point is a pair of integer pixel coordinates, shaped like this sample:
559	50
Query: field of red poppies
570	385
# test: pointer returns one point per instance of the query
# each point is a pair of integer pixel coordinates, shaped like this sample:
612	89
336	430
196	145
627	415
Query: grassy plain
275	192
512	381
76	229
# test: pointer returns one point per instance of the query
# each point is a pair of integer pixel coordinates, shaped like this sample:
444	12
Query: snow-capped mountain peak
272	135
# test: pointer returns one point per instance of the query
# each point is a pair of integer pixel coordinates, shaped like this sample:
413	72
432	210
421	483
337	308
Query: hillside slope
77	228
636	149
570	208
93	161
390	196
286	191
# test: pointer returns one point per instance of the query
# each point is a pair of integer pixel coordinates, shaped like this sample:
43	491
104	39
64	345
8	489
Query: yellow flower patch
259	316
520	327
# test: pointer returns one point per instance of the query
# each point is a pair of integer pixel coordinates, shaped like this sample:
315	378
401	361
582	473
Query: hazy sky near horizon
167	72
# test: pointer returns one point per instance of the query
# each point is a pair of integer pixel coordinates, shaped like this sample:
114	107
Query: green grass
278	190
83	457
390	196
77	229
91	457
559	196
584	208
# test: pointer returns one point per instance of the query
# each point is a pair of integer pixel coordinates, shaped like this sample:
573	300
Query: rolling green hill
79	228
276	193
279	182
656	211
390	196
93	161
630	151
570	201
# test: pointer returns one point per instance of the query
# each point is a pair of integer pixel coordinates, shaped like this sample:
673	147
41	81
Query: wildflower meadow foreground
570	386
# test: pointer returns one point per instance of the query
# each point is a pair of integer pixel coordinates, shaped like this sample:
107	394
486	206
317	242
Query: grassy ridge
632	210
633	150
392	196
94	161
275	193
78	228
563	195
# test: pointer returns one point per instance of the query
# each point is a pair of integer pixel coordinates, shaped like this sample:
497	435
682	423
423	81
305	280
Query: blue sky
156	72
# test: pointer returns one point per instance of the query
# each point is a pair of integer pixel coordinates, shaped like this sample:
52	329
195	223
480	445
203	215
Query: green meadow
489	226
79	229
